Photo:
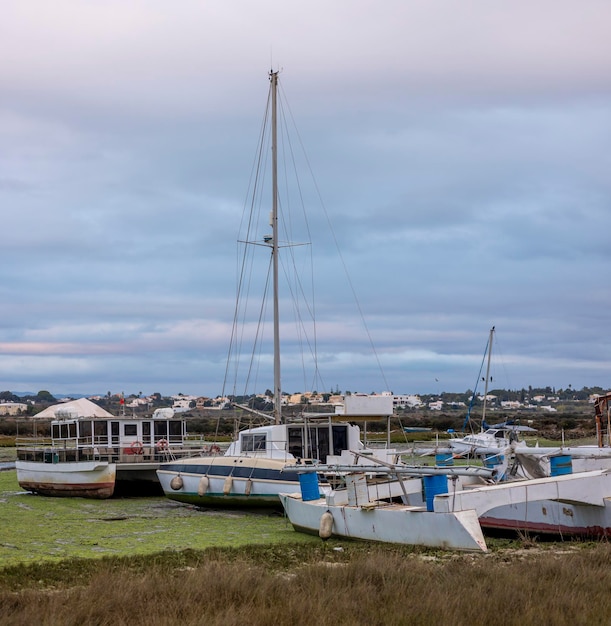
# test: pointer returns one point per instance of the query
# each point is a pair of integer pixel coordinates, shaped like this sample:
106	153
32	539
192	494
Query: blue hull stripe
236	471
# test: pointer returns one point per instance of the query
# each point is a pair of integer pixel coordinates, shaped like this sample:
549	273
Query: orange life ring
135	448
162	444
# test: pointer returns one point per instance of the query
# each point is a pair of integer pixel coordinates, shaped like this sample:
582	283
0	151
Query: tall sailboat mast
273	76
487	377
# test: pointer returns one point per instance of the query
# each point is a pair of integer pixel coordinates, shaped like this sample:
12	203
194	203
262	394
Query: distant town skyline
480	391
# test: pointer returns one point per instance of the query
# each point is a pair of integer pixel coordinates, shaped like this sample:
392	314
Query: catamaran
266	460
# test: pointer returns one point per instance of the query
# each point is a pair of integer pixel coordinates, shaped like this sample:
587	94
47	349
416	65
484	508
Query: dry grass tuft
316	585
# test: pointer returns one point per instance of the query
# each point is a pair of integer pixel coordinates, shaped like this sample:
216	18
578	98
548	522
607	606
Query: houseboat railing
71	450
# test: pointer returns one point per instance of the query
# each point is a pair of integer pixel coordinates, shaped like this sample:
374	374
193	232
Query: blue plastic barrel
560	465
444	459
309	486
434	485
493	459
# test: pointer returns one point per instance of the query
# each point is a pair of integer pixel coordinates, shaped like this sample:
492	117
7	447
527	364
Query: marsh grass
74	561
317	584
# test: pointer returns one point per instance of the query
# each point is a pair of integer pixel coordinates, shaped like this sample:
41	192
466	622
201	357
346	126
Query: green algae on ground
35	528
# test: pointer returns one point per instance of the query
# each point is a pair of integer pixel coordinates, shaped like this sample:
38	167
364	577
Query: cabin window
296	442
100	432
253	443
130	430
318	443
85	432
146	432
340	439
175	429
63	430
114	433
161	430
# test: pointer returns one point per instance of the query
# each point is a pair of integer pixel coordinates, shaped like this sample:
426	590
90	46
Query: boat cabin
114	439
314	441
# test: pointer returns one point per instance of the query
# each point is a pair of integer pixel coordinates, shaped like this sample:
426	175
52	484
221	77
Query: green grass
147	560
36	528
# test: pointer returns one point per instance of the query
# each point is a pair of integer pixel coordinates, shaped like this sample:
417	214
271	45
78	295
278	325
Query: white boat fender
325	528
202	487
176	483
248	487
227	486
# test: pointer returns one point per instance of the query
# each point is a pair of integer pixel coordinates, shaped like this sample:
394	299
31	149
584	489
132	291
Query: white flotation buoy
203	486
325	528
176	483
227	486
248	487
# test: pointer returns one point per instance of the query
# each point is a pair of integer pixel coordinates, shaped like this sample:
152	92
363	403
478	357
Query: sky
460	148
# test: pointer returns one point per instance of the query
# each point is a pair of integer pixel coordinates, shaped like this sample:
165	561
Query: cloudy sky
461	150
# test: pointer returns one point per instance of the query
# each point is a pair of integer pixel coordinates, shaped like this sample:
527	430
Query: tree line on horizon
522	395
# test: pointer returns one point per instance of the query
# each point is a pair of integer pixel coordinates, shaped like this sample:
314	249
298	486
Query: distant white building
184	402
214	403
436	406
488	398
410	401
549	408
136	402
13	408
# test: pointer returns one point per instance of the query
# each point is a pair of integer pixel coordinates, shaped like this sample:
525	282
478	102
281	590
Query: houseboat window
85	432
100	432
130	430
114	433
175	429
161	430
63	430
253	443
146	432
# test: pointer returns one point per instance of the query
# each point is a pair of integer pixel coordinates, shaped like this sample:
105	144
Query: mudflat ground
37	528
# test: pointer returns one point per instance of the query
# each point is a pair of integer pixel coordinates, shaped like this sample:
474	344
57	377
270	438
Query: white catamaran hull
572	505
87	479
551	517
392	523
